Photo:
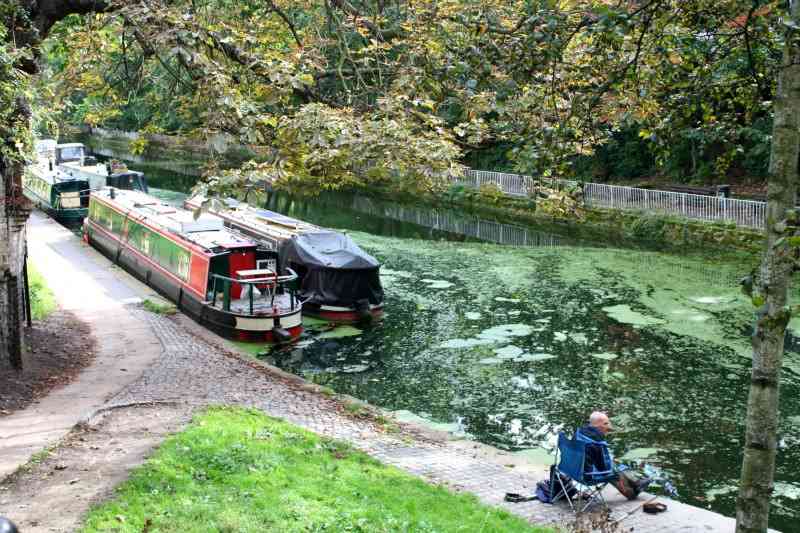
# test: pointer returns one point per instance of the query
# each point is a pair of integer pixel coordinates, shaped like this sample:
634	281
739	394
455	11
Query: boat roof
56	176
44	145
273	224
207	231
70	145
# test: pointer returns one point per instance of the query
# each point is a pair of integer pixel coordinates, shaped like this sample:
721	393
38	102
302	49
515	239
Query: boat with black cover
71	159
219	277
338	281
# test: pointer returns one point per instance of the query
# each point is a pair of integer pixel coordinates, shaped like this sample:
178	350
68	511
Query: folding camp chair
570	462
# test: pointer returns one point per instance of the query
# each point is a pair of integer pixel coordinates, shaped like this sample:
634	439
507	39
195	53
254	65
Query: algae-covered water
507	344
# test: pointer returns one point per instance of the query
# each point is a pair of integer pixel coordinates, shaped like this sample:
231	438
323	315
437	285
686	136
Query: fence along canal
745	213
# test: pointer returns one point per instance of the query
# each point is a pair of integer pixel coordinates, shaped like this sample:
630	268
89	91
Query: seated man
628	483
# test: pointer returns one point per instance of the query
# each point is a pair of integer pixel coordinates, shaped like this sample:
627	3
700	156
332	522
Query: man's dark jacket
594	453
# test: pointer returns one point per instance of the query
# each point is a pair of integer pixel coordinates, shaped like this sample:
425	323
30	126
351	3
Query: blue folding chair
570	461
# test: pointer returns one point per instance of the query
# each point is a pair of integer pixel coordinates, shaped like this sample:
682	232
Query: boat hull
343	315
67	217
270	329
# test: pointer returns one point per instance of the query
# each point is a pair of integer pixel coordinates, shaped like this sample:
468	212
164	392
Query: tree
779	261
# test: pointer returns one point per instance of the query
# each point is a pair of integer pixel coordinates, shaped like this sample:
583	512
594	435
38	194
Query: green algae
504	331
340	332
638	454
625	315
536	456
509	352
465	343
534	357
605	355
437	283
408	417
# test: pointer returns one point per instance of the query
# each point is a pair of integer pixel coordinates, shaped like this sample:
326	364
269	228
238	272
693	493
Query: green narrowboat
219	277
63	197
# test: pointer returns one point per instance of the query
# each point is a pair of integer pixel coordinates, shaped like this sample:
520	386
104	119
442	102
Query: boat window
70	153
106	217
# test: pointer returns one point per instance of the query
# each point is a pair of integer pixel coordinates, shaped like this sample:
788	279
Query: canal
506	334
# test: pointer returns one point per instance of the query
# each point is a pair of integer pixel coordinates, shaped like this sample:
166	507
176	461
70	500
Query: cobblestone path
194	370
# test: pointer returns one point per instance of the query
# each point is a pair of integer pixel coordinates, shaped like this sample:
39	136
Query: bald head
599	420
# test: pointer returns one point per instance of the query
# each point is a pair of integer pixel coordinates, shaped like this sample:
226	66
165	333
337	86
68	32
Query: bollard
7	526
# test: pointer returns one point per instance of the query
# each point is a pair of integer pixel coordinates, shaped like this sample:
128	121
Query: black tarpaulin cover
333	269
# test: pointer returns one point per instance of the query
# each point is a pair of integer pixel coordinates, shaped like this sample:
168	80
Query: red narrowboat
221	278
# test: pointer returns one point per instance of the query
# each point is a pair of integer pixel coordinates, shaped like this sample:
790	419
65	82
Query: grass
159	308
43	302
238	470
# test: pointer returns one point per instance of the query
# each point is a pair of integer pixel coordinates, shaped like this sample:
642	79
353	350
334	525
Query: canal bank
195	368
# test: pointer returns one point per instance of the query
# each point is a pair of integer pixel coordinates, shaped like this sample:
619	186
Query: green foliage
14	86
139	145
238	470
559	203
350	93
491	193
648	227
43	301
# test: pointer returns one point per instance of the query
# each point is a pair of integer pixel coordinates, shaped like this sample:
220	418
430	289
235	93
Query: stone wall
14	211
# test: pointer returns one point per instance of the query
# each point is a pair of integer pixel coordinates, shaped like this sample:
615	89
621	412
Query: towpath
147	358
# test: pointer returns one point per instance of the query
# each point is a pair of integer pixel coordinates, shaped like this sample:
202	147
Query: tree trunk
758	465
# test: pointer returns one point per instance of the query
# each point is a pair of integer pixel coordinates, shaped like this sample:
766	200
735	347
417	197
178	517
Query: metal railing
449	222
512	184
745	213
270	285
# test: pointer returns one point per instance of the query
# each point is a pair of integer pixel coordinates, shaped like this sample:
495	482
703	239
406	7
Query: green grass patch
160	308
43	302
239	470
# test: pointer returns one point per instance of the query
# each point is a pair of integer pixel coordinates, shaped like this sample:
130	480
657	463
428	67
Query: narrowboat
63	197
221	278
71	159
338	281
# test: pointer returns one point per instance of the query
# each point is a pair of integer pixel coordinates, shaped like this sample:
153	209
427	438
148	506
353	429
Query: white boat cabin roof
274	224
207	231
